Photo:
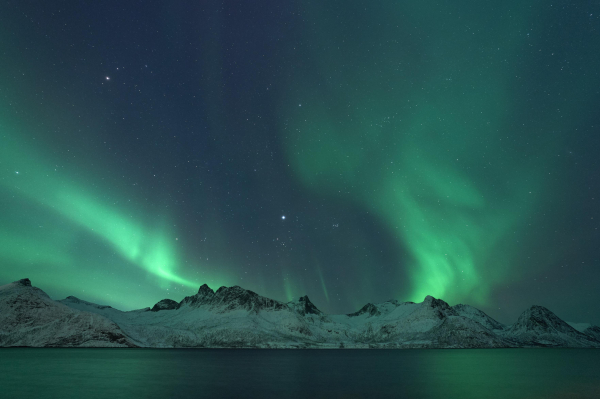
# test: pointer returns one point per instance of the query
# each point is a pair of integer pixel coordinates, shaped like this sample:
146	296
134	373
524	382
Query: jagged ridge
236	317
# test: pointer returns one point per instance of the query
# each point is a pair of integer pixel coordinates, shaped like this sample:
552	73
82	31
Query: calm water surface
180	373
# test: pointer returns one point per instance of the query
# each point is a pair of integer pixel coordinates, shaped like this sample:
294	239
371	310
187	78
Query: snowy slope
587	329
478	316
538	326
28	317
592	331
235	317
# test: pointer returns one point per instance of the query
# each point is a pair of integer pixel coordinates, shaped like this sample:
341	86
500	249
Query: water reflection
125	373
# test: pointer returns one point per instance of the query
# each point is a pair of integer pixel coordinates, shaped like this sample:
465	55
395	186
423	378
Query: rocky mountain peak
204	295
24	282
237	297
231	298
537	312
437	308
539	326
540	319
436	303
235	317
73	299
165	304
304	306
24	286
227	294
205	290
539	309
369	309
220	289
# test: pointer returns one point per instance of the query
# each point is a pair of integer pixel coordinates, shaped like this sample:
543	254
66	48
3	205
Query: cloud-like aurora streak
415	148
39	184
423	145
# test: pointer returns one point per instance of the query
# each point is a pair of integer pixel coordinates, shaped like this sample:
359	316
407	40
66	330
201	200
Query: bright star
283	217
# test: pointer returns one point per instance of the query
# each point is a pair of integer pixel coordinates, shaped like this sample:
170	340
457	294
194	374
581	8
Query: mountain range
233	317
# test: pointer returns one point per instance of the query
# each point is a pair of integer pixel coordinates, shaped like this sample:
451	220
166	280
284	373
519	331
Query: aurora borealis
349	151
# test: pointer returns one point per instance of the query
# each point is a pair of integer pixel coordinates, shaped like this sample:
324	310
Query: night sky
352	151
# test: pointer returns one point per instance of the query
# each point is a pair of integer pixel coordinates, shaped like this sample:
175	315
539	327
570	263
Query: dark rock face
238	298
165	304
231	298
204	295
205	290
307	307
369	308
438	308
439	304
227	299
25	282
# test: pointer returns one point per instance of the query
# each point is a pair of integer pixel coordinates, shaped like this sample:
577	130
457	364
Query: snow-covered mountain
592	331
478	316
236	317
587	329
538	326
28	317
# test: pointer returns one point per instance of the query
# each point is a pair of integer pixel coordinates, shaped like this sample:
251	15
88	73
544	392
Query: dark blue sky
432	148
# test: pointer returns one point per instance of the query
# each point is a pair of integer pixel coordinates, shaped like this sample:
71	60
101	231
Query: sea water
245	373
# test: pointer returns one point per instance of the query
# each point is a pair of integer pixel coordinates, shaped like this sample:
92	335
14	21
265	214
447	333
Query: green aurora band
428	131
425	139
39	188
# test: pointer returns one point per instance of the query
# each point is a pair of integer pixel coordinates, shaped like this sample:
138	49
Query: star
107	78
283	217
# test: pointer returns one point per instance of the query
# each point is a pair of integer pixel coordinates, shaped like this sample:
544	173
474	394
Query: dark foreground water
180	373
